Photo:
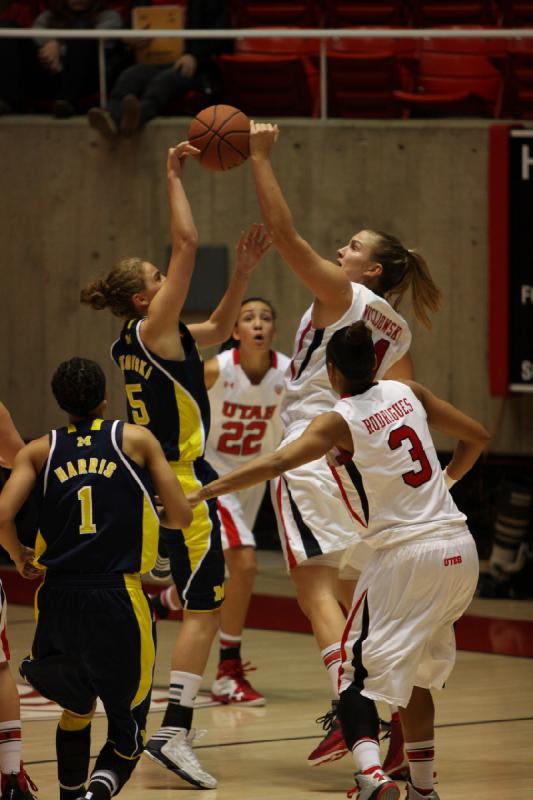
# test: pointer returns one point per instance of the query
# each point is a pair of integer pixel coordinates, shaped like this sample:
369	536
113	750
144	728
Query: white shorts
311	515
237	513
4	645
399	632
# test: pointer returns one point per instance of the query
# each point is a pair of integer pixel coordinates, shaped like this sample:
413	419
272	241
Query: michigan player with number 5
97	530
373	270
245	383
398	642
164	381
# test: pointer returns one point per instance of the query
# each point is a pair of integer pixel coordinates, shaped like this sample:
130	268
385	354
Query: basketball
222	134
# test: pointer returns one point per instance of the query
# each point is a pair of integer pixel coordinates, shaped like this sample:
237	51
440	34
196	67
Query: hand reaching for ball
176	158
251	247
263	136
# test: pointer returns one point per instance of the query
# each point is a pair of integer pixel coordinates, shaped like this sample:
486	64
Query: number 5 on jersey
139	413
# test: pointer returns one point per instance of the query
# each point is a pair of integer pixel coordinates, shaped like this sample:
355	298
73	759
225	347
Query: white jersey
245	418
393	485
308	389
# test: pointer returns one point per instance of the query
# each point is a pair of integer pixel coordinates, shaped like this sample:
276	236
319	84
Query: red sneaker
396	764
332	747
231	686
17	785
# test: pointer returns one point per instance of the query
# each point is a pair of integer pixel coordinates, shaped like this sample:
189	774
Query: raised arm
251	247
10	439
322	434
471	435
324	278
16	491
165	308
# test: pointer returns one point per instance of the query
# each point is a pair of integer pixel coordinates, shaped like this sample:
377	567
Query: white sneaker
412	794
374	787
177	755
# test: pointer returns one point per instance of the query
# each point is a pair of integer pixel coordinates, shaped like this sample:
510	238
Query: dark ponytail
351	350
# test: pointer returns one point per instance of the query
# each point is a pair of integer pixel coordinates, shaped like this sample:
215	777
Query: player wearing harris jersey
165	391
98	531
373	272
398	641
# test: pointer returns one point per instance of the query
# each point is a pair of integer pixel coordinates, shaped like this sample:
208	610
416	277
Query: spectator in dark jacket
72	64
144	90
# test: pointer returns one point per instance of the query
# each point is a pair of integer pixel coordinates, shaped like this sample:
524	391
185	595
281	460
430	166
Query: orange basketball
222	134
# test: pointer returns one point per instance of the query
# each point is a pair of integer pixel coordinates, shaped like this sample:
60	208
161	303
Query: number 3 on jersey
416	451
139	414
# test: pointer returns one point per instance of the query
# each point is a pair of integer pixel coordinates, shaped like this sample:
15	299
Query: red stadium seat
269	13
518	81
453	85
517	13
348	13
363	86
430	13
268	85
483	46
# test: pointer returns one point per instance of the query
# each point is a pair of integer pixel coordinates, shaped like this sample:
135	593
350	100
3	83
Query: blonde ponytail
404	269
117	289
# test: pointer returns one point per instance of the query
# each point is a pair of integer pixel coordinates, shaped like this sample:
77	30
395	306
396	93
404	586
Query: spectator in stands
15	54
71	65
144	90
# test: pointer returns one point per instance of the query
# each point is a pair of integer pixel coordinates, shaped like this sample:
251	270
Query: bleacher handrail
323	34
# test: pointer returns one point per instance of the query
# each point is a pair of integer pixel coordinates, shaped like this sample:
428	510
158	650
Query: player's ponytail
404	269
117	289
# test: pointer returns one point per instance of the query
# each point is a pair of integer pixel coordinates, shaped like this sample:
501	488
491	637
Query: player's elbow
483	437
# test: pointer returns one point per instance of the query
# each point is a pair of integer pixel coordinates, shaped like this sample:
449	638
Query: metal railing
323	34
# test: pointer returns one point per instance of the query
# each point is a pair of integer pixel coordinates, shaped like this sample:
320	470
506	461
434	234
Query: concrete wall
71	206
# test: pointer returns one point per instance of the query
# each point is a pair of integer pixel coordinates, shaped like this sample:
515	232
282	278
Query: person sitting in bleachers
144	90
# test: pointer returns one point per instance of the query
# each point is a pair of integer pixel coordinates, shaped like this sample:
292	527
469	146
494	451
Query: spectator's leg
134	81
168	84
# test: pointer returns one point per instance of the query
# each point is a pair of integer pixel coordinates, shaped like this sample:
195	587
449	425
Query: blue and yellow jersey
97	513
169	397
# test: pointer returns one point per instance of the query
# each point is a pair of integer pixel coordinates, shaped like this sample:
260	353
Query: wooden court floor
484	722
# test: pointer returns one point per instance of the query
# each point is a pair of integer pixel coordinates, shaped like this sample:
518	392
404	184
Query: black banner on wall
520	326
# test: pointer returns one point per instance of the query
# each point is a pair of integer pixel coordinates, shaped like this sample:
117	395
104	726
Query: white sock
10	746
365	753
184	687
331	656
421	757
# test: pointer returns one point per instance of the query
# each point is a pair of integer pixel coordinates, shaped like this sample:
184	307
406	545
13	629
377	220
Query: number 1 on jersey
85	496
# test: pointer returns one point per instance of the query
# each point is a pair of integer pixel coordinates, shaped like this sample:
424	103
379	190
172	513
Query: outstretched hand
176	158
251	247
263	136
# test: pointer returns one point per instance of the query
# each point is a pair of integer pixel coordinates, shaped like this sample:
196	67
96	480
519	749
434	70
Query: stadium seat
517	13
481	46
453	85
347	13
430	13
268	13
363	85
517	100
268	85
